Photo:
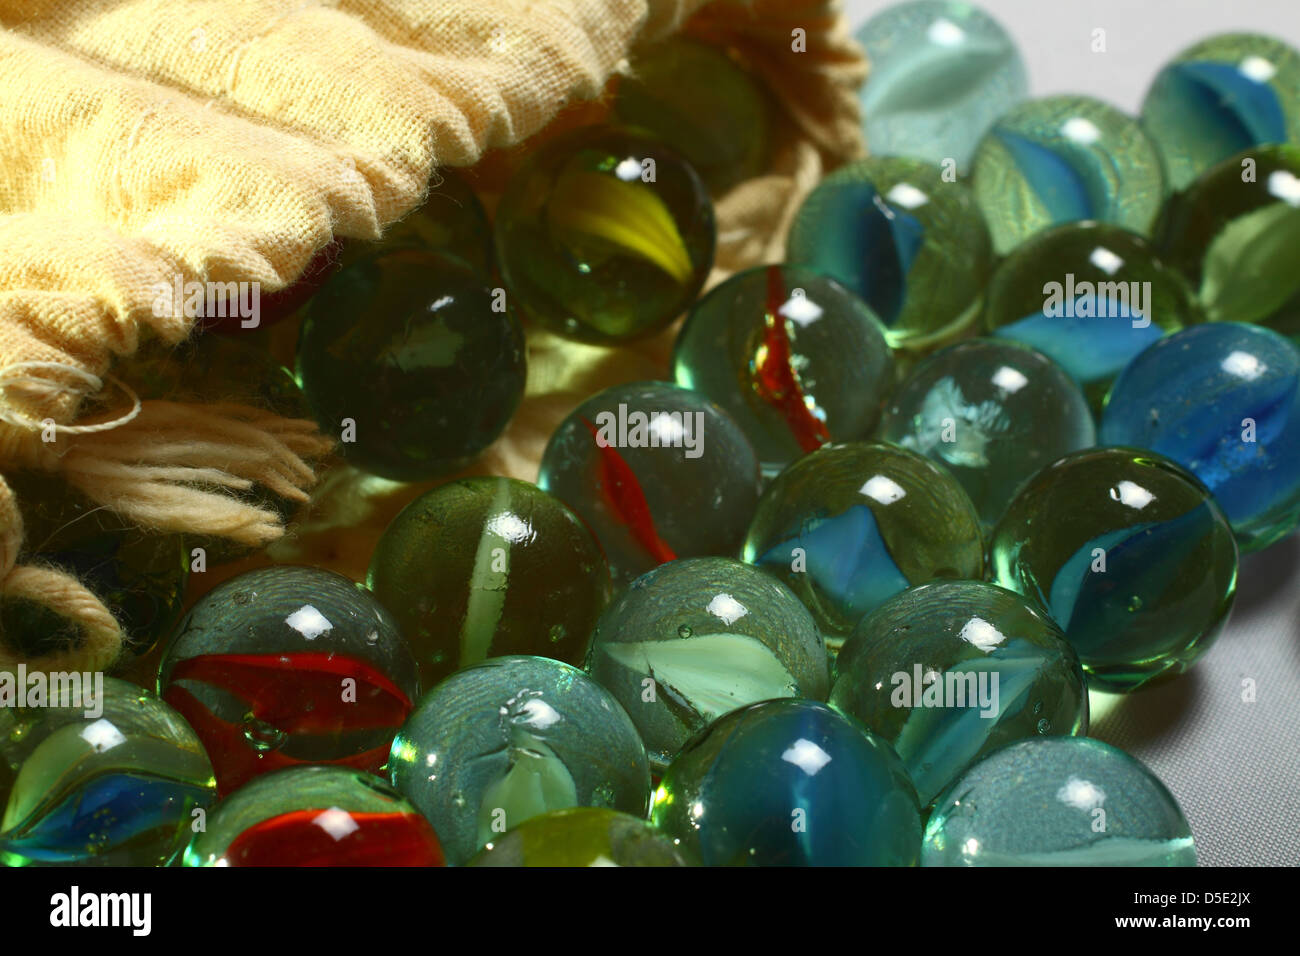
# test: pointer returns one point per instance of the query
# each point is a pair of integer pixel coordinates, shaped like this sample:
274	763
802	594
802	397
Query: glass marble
1058	801
139	575
1065	159
696	638
792	356
451	223
912	245
1130	555
315	816
287	665
657	472
992	412
604	235
1234	233
789	783
485	567
1222	400
847	526
948	671
941	73
582	836
1089	295
113	779
1223	95
514	737
417	355
698	100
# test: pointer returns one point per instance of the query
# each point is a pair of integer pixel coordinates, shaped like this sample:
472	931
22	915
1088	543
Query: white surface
1233	765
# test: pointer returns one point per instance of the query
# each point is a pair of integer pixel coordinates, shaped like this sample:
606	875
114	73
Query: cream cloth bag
228	140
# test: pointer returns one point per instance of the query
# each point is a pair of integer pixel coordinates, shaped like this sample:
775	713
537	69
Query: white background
1233	765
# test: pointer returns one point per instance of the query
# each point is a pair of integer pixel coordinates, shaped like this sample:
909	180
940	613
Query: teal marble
1225	94
794	357
1130	555
789	783
1058	801
1065	159
992	413
657	472
1089	295
412	361
1223	400
693	639
903	236
847	526
500	742
941	73
948	671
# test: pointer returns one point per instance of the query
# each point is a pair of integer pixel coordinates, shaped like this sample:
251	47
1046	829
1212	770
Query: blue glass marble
911	243
941	73
1065	159
847	526
693	639
1223	95
1129	554
114	779
1058	801
992	412
500	742
1089	295
951	670
789	783
1223	400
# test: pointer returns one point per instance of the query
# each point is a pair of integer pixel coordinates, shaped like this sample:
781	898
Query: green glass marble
485	567
701	102
315	816
948	671
98	779
1090	296
1058	801
789	783
1130	555
138	574
451	222
905	239
847	526
413	362
693	639
1225	94
992	413
283	666
500	742
657	472
1234	233
582	836
1065	159
604	235
792	356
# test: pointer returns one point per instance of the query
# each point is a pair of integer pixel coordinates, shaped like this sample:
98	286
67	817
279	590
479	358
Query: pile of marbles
834	591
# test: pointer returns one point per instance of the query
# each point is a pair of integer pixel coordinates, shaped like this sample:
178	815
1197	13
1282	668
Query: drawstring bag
146	144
